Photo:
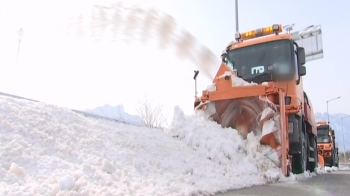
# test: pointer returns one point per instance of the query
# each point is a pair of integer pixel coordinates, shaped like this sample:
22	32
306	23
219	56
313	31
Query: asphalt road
330	184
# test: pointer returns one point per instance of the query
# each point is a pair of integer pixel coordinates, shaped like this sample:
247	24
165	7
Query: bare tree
151	113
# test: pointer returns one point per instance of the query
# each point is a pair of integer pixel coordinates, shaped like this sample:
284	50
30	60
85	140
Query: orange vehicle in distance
259	88
326	145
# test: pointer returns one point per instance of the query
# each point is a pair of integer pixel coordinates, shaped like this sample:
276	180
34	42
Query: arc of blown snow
139	24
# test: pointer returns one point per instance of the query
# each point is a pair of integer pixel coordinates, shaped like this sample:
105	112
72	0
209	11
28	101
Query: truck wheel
304	154
316	152
331	162
300	160
313	165
335	160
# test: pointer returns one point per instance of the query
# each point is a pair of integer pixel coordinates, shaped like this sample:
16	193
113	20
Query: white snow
343	167
47	150
236	81
329	169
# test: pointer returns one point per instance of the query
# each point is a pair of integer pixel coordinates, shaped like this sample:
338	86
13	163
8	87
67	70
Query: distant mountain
335	122
118	113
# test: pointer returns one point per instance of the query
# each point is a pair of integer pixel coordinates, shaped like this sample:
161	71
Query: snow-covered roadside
344	167
47	150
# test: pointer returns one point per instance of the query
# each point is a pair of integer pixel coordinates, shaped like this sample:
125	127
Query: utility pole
236	6
20	35
289	28
327	107
342	129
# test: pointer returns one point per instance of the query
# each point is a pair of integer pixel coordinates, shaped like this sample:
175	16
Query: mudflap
329	161
321	160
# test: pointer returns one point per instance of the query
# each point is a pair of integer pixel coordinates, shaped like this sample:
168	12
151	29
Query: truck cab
326	145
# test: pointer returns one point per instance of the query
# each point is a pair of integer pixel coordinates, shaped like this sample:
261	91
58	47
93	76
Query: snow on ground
329	169
344	167
47	150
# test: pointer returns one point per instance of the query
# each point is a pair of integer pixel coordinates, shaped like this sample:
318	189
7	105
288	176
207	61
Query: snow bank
47	150
237	157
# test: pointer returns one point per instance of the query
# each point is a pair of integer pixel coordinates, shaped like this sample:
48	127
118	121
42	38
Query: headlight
290	127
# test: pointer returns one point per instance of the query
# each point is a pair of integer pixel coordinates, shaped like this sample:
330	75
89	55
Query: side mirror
332	132
333	137
301	56
302	70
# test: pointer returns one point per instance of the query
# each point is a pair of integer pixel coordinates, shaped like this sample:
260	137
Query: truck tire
300	160
335	160
313	165
331	162
316	153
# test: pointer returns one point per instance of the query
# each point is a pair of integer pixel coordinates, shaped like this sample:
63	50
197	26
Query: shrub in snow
151	114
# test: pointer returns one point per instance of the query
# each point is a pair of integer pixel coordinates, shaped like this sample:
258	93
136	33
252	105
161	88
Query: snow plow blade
253	114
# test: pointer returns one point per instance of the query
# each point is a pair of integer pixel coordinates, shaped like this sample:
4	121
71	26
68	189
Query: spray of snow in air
129	23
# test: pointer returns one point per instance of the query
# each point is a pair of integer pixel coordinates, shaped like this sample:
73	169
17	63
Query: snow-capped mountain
338	126
118	113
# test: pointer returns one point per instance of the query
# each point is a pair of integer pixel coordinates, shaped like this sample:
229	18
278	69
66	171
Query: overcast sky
87	74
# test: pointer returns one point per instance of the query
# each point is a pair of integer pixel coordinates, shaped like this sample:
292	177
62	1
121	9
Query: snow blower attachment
248	107
258	88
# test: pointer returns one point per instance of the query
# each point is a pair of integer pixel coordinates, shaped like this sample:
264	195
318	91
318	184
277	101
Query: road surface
330	184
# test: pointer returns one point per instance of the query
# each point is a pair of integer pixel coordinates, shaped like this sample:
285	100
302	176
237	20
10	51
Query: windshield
323	139
260	62
322	136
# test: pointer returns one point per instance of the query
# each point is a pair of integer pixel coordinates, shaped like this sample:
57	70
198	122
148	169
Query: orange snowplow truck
259	88
326	145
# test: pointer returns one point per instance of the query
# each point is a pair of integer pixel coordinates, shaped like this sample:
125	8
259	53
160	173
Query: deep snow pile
47	150
225	146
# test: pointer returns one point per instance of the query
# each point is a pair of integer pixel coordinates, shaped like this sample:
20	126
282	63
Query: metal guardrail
94	115
77	111
17	97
